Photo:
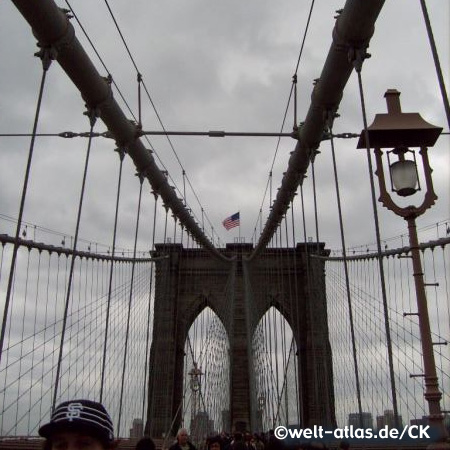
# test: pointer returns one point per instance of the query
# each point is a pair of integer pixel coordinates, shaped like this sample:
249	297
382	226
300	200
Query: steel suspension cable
111	271
141	182
298	399
109	76
165	224
147	348
327	94
358	59
347	281
436	60
142	82
308	315
292	90
46	55
316	218
92	120
96	92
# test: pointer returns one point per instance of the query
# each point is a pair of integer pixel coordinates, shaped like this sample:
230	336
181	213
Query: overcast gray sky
212	66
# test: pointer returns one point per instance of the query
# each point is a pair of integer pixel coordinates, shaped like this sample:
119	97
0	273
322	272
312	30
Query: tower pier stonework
240	292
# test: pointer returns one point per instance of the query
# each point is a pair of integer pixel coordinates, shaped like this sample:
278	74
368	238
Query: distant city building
137	429
201	427
226	422
423	421
388	419
365	422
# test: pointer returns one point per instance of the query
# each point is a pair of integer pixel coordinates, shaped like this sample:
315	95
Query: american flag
232	221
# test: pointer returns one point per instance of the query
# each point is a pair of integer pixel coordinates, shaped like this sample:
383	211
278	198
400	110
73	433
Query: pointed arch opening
275	390
206	379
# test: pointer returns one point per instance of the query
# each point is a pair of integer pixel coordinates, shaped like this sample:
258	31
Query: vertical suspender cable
141	181
357	61
139	79
436	60
175	222
184	186
147	341
203	220
46	56
92	120
347	282
308	306
270	190
316	220
165	224
111	270
286	360
298	400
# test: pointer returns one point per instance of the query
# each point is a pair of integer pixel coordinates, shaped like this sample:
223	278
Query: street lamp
399	131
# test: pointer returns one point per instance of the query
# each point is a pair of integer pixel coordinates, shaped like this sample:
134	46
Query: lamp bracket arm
430	196
408	211
385	198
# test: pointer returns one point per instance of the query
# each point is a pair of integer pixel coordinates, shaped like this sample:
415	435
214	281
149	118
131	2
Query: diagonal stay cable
289	99
52	27
141	80
110	78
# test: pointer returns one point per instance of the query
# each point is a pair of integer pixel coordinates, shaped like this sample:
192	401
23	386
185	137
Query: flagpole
239	227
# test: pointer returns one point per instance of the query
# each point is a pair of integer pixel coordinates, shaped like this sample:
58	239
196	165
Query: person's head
344	445
78	424
182	436
215	443
145	443
238	436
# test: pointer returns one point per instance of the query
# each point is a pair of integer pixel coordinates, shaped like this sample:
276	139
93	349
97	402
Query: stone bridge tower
188	280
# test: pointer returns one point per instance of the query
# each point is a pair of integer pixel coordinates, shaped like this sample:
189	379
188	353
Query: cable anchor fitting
121	151
92	113
141	176
356	56
47	55
330	115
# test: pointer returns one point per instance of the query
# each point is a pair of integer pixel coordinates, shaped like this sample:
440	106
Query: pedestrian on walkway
146	443
214	443
183	442
79	425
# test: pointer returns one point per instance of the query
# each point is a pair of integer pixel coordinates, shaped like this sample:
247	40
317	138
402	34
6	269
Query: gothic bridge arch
239	292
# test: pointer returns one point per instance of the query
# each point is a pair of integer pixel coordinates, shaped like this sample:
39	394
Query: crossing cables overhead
141	81
53	29
292	91
352	32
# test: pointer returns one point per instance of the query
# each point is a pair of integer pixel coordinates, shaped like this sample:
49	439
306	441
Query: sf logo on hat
73	411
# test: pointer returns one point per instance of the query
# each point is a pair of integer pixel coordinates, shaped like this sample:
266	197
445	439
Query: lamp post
195	383
399	131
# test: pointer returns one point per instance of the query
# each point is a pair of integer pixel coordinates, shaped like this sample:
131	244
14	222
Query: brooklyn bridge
292	270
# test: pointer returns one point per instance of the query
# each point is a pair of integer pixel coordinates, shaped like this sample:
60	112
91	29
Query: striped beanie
85	416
